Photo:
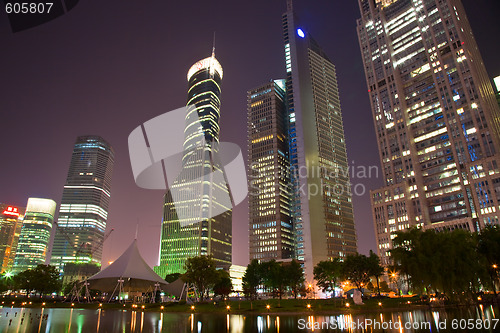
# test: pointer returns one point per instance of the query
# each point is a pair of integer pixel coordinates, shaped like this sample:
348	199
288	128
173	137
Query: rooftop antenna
136	229
213	47
289	5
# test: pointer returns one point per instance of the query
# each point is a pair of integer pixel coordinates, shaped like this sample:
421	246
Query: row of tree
202	273
457	263
274	277
42	279
357	269
278	278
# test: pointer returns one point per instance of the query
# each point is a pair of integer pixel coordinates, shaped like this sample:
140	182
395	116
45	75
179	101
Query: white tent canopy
130	267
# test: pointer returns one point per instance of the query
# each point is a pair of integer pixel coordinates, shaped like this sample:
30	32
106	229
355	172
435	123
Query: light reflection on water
21	320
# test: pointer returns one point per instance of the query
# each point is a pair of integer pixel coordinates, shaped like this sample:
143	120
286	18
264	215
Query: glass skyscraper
190	225
435	116
270	223
11	221
84	206
35	234
321	205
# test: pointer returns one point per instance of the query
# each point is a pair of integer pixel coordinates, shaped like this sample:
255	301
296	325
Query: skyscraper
11	220
321	200
435	115
84	205
190	227
35	234
270	223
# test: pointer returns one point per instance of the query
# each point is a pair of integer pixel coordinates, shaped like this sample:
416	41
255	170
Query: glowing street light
347	305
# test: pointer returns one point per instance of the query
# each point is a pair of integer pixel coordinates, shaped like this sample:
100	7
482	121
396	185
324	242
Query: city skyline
103	100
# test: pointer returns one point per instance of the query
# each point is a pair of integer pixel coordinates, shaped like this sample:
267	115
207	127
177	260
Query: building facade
84	205
34	238
270	222
435	115
497	86
191	225
11	221
321	205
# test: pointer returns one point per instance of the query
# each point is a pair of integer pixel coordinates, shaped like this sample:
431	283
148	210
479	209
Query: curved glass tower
191	225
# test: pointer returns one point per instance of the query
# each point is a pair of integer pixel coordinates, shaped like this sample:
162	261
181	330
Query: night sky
108	66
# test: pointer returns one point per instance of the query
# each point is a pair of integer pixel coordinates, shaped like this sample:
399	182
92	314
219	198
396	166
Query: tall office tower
435	116
84	205
11	220
191	227
270	223
321	204
35	234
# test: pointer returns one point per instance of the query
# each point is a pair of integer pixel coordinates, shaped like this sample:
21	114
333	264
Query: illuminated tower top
204	78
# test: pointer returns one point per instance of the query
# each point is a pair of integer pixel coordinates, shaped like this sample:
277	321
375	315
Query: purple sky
108	66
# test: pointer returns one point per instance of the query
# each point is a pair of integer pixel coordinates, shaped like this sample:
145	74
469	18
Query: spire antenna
289	5
213	47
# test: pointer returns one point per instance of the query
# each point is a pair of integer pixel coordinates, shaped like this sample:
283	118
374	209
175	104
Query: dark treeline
457	263
43	279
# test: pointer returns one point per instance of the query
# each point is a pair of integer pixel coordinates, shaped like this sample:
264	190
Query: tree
273	277
25	280
46	279
223	285
375	269
445	261
356	269
4	282
294	276
328	274
488	248
43	278
252	279
201	272
172	277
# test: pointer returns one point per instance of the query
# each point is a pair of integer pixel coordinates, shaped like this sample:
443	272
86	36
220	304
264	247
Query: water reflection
80	320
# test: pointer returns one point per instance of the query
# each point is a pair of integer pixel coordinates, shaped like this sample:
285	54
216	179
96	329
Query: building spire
289	5
213	47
